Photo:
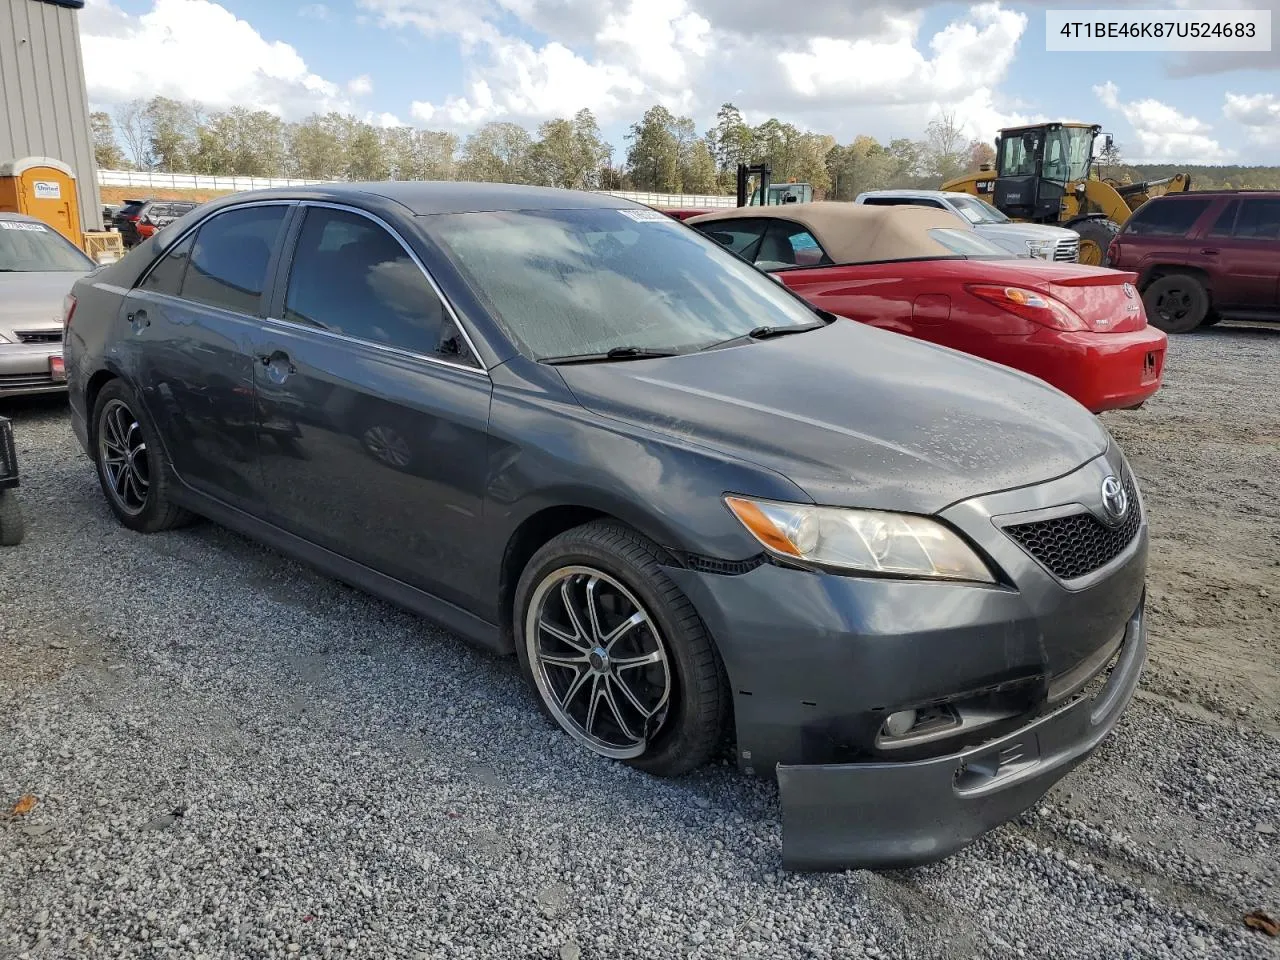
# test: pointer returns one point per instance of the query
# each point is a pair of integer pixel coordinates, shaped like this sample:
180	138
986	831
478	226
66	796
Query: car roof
439	196
854	233
938	194
1191	194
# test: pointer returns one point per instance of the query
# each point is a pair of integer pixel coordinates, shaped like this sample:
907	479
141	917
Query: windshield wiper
617	353
766	333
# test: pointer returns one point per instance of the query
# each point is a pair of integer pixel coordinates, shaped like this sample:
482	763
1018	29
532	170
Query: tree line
664	153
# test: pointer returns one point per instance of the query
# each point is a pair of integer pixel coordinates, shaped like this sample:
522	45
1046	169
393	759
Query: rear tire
1176	303
1095	237
665	711
132	470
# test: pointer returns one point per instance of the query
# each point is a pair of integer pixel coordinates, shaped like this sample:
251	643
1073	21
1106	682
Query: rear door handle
138	319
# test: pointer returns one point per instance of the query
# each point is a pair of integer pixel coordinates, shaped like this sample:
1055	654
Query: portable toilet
43	188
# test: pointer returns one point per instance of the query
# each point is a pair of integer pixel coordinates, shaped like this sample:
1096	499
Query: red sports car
923	273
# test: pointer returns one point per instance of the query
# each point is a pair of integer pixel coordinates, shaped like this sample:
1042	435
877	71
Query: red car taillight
1037	307
68	311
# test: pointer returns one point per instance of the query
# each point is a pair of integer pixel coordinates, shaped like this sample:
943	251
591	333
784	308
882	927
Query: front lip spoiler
895	815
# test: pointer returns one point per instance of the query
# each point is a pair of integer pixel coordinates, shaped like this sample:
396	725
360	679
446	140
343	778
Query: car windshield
28	247
568	283
966	243
977	210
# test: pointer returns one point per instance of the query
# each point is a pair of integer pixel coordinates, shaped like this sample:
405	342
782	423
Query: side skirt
480	632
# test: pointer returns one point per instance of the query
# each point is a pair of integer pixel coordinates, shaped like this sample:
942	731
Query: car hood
855	416
33	301
1017	234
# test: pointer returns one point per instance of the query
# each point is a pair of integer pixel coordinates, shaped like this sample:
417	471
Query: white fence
193	181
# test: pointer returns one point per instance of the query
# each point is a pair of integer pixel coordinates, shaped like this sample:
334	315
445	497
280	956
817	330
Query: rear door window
166	275
1166	218
1225	221
228	266
1259	219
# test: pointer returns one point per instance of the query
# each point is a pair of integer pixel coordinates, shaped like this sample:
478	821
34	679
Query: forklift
766	192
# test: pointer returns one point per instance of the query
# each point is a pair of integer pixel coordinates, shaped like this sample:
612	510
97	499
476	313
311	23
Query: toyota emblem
1115	499
1130	292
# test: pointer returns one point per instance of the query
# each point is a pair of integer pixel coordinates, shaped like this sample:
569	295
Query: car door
1248	252
372	408
191	320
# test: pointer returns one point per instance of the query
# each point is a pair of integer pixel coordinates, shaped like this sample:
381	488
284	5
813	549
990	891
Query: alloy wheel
599	661
122	452
1173	305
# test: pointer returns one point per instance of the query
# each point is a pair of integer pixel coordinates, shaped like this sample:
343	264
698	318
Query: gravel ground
235	757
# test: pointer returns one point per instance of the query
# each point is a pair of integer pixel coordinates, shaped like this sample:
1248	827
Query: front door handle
1209	252
278	365
138	319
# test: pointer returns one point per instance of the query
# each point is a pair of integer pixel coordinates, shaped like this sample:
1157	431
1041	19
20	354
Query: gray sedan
37	268
907	583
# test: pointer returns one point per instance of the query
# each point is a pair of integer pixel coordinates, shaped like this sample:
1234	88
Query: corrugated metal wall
44	108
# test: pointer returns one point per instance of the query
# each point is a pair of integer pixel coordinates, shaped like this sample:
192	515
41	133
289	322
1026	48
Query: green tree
496	153
171	133
365	158
106	150
731	140
316	149
569	153
698	169
864	164
653	152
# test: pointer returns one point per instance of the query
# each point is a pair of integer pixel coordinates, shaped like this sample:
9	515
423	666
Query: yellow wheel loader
1045	174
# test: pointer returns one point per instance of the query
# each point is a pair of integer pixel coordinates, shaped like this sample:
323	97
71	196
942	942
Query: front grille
39	336
1078	544
1067	250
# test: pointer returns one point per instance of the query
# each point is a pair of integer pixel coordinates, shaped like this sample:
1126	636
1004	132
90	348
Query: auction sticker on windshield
22	225
645	215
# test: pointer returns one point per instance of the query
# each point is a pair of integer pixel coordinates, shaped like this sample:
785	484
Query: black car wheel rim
599	661
1174	305
122	453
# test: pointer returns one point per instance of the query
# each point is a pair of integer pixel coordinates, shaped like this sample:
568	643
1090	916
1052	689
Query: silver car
1038	240
38	265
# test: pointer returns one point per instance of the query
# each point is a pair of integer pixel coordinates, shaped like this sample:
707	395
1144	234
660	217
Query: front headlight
867	541
1041	248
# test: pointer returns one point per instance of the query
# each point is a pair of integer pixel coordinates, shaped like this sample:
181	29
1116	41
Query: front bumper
25	368
893	815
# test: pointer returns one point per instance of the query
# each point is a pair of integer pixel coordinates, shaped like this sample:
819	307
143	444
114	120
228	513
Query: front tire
1095	238
1176	303
131	467
616	653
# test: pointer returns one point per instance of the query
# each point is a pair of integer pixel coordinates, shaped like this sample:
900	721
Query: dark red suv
1204	256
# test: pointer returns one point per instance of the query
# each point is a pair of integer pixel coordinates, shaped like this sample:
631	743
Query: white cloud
384	120
1164	133
888	69
196	50
315	11
1259	112
360	86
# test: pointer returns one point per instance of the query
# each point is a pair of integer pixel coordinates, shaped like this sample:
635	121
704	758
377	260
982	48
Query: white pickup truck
1022	239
